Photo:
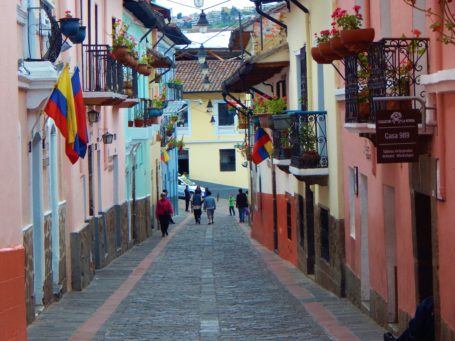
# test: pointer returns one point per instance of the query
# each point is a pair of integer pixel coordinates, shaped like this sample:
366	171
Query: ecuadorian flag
60	106
262	147
164	155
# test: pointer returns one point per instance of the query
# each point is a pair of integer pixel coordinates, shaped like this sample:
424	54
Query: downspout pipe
258	5
263	94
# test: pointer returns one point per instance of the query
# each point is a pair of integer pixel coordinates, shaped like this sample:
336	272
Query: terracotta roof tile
189	71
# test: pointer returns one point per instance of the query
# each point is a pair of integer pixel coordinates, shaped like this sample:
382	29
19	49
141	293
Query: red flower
416	32
357	8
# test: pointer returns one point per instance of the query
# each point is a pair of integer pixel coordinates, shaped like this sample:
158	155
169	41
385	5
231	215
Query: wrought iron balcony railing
100	73
309	139
391	67
174	92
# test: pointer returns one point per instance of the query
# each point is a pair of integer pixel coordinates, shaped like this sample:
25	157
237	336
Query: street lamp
205	68
202	23
210	106
107	138
201	54
206	82
93	116
212	120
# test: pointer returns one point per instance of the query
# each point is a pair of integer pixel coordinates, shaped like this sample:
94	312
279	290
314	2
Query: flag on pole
60	106
262	147
164	155
79	147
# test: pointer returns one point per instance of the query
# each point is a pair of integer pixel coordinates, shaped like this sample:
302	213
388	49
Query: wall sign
396	135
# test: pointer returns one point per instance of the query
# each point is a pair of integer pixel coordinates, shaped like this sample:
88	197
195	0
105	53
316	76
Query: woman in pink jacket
164	212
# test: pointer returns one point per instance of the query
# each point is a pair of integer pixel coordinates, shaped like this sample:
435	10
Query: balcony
102	77
174	92
130	88
281	140
392	68
309	158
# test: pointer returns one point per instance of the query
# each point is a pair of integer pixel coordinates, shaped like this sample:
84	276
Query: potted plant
180	145
325	49
143	66
169	129
157	105
310	157
69	26
264	108
123	43
353	37
283	149
139	119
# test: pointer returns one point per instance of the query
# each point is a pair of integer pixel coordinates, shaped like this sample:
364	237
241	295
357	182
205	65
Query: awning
173	107
143	10
175	34
160	60
250	74
165	12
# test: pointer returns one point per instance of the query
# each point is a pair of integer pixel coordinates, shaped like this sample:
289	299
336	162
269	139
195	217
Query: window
225	116
302	220
227	160
183	117
325	246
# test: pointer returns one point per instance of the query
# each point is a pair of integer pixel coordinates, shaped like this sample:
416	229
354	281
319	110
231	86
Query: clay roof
189	71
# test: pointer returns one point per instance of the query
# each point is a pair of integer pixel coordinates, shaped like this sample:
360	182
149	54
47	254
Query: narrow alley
202	282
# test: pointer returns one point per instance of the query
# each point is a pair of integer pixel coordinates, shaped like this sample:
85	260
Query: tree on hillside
179	15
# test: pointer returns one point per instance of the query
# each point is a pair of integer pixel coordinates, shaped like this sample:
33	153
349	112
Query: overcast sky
185	10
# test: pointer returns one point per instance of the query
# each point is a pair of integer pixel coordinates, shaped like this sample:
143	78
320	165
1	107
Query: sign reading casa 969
396	135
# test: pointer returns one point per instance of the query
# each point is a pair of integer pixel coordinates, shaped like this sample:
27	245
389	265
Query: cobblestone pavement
202	282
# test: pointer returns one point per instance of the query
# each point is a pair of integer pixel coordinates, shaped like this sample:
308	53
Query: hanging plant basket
155	112
121	53
338	47
318	57
326	51
69	26
357	40
79	37
143	69
243	121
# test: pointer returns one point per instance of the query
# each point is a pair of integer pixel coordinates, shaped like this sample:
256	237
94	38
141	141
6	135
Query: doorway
391	254
424	249
309	198
364	255
184	162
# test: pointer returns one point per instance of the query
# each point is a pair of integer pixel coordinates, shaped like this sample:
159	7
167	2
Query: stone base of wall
330	274
353	287
62	245
378	308
82	260
48	295
143	219
29	274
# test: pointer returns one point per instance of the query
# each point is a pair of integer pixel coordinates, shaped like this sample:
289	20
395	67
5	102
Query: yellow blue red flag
262	147
164	155
61	108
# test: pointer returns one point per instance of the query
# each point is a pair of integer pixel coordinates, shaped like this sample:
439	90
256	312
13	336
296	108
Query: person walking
171	221
164	212
209	206
242	203
187	198
197	205
231	205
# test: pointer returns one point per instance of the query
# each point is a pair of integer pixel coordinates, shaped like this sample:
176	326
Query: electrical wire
179	3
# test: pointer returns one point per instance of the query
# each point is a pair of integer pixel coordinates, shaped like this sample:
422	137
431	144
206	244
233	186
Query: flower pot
326	51
127	84
317	56
130	123
364	111
79	37
69	26
138	123
282	153
243	121
309	159
338	47
265	120
121	53
155	112
148	122
357	40
143	69
154	120
128	92
169	132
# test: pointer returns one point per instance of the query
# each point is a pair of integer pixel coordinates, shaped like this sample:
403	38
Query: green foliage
307	136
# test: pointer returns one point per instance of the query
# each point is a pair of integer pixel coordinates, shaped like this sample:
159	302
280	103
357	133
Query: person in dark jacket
242	203
421	327
164	211
196	203
187	198
209	206
170	217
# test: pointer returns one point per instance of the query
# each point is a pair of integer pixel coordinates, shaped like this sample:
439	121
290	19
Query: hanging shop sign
397	135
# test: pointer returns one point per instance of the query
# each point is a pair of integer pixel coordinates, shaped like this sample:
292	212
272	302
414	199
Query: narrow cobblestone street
202	282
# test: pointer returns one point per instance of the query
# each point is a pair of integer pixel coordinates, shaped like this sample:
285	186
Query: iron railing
308	135
174	92
391	67
101	73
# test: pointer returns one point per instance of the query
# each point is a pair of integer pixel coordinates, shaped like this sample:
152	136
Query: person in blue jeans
242	203
209	206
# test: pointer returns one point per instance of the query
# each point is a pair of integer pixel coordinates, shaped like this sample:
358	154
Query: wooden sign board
396	135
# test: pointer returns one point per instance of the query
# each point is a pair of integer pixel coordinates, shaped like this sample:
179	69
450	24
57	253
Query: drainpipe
258	5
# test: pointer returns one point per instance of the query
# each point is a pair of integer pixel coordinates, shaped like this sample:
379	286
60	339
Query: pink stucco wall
10	133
